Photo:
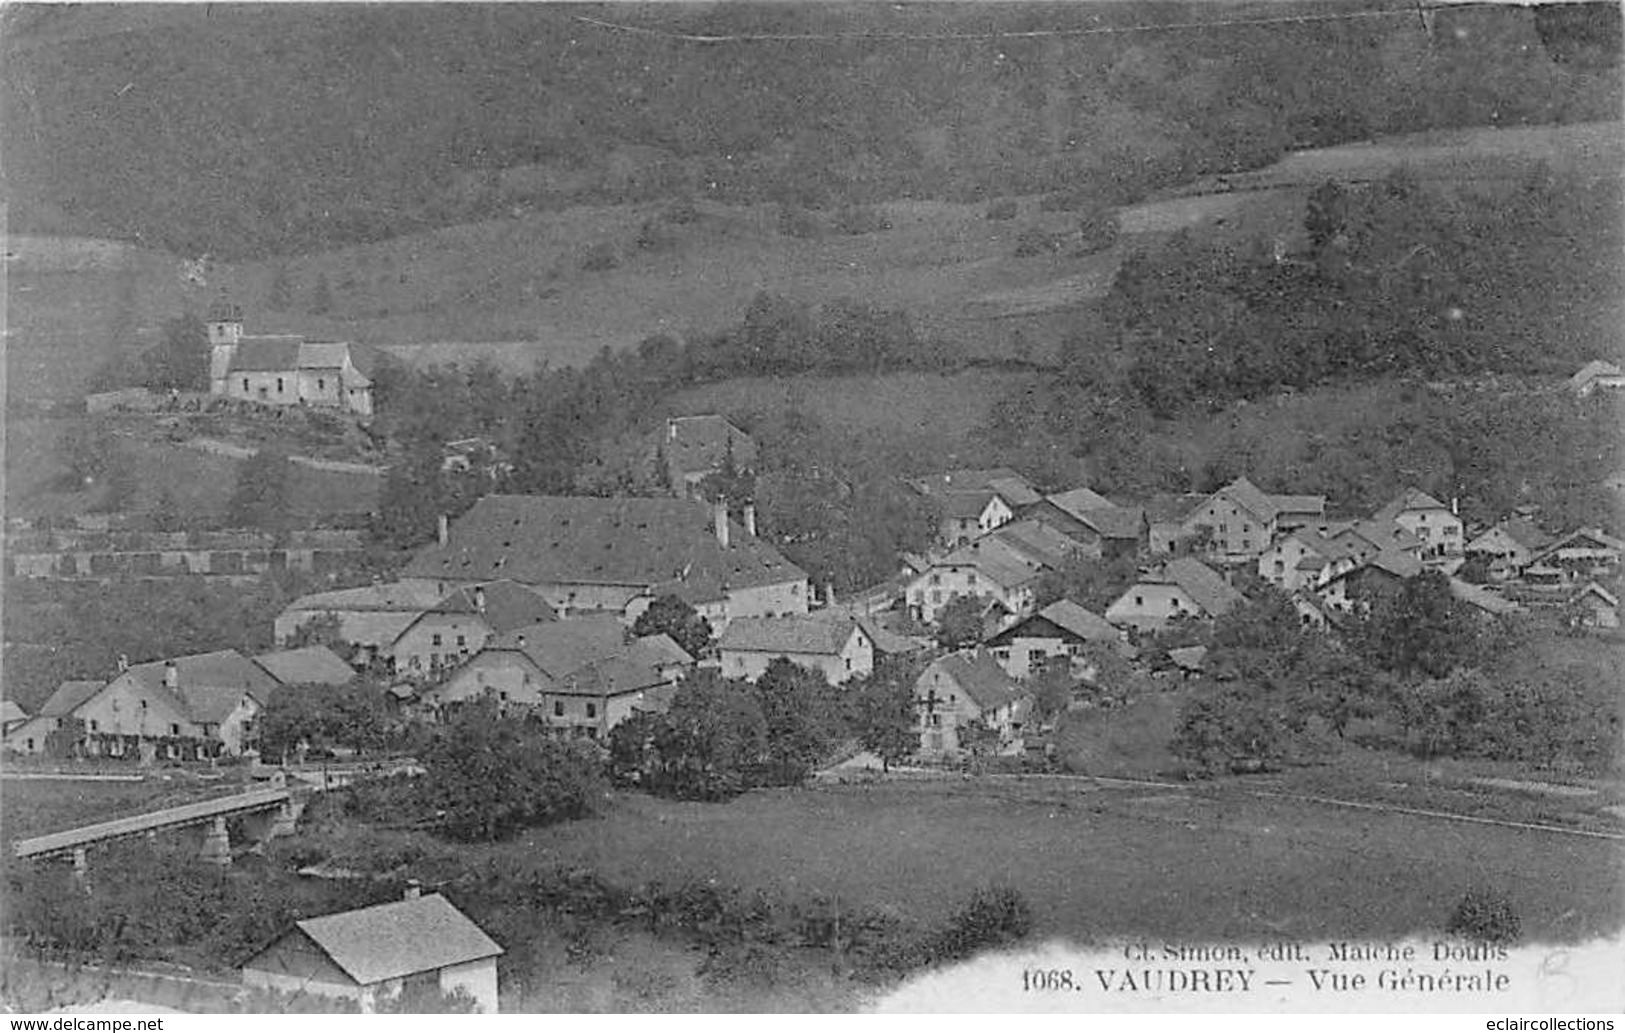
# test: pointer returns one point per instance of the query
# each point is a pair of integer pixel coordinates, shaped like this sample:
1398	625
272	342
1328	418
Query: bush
994	917
1036	240
1485	916
1002	209
601	257
857	219
798	222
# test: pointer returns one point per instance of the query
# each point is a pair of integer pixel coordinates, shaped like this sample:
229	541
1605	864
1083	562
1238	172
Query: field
515	289
1097	863
198	482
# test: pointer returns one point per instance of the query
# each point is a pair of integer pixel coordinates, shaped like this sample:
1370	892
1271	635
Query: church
287	369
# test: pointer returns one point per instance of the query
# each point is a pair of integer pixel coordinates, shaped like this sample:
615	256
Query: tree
1326	215
791	698
1421	628
281	294
263	495
321	296
1052	687
180	361
711	743
88	450
959	623
489	776
412	500
670	615
887	721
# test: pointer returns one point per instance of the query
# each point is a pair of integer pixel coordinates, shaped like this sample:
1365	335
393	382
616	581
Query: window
1139	600
592	710
503	696
174	729
434	640
321	385
143	704
1223	529
936	579
849	663
462	641
936	596
936	720
558	708
278	385
245	383
592	733
93	727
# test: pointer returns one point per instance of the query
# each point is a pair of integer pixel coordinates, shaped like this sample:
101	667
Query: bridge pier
216	843
81	865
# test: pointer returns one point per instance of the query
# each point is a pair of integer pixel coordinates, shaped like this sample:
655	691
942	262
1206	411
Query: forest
253	130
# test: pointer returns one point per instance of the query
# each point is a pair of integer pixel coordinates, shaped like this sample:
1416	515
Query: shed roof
402	938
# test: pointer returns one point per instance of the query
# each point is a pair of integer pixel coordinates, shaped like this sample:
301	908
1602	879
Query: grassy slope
520	279
1244	868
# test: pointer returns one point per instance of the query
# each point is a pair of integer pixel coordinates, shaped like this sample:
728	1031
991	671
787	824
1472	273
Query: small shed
374	953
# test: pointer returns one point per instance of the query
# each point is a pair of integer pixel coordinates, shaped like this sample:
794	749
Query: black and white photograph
719	507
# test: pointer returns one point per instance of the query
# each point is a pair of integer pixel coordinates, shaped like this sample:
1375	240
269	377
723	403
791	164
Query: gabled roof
1190	658
1399	564
1594	535
508	605
1409	500
208	685
1592	588
815	634
980	677
68	697
995	559
1525	532
1380	535
559	647
267	353
1038	540
965	505
1261	504
1003	481
887	641
1199	581
638	542
1481	597
389	941
309	665
1594	369
1082	622
11	710
694	444
1172	509
1080	500
394	597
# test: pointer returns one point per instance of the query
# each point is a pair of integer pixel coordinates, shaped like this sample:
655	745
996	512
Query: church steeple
225	322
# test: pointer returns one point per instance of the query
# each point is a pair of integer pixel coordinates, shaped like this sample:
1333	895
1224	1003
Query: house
1354	590
55	714
1598	374
1184	587
1165	520
834	645
580	677
1576	558
1002	567
1061	629
1433	523
1365	539
187	708
614	556
1594	606
1305	558
972	503
1102	527
308	665
457	627
12	715
1487	601
370	618
374	953
695	447
1242	520
964	688
286	369
1509	546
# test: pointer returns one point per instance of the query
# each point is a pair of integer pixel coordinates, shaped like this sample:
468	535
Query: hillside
242	130
515	290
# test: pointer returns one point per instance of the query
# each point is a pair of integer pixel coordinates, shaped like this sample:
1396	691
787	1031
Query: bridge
266	813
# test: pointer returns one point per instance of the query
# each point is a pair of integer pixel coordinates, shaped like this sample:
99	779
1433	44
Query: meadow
1097	862
517	289
32	807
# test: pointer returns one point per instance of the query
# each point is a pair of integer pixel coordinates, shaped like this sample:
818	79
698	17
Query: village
511	508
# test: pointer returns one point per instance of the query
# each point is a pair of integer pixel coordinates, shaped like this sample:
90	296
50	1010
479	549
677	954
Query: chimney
479	598
722	524
123	662
172	675
414	890
445	530
750	519
671	430
1455	506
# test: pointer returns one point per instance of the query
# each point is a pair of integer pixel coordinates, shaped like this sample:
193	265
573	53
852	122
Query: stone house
1434	524
972	503
964	688
459	625
834	645
287	369
1242	521
1183	587
1061	629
